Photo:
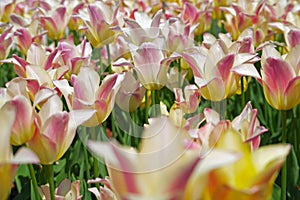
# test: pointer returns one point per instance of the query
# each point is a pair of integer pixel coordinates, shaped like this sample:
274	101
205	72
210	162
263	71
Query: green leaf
292	170
276	194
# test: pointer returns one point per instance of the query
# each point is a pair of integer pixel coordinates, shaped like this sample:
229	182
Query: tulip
131	93
99	24
6	8
217	71
175	78
8	162
23	127
143	28
151	66
162	154
56	23
248	126
88	94
179	36
24	39
191	99
65	191
55	129
75	57
250	177
105	192
280	91
5	43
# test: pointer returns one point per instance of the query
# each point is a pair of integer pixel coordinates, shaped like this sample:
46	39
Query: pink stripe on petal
224	66
183	177
128	176
106	87
55	127
293	37
277	74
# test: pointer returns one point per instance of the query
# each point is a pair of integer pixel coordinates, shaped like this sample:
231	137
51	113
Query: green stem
86	160
96	170
49	174
179	73
146	106
243	92
220	107
34	182
153	103
101	70
284	169
108	59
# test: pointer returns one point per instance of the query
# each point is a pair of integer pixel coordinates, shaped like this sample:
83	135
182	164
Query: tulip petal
7	117
24	156
214	160
23	126
292	96
270	72
224	67
268	161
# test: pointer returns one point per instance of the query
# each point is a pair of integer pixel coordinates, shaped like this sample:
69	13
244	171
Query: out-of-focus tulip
248	126
151	66
8	162
281	91
5	43
88	94
65	191
100	24
55	129
217	71
130	94
250	177
176	79
190	100
6	8
56	23
162	154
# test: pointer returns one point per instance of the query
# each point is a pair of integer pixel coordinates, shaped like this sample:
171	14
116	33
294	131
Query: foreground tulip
149	172
8	162
88	94
281	92
55	129
250	177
